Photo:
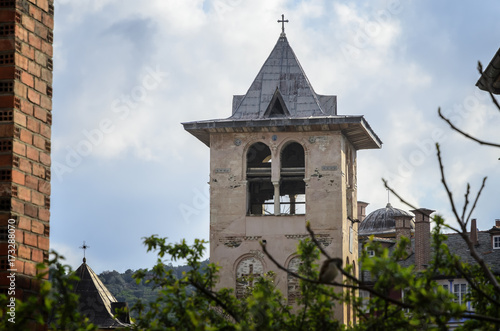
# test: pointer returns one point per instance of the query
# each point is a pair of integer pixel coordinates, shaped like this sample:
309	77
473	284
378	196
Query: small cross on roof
84	247
282	21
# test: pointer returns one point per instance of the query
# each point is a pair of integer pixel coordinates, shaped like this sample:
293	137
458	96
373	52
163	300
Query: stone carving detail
231	241
247	271
235	241
296	236
323	239
252	238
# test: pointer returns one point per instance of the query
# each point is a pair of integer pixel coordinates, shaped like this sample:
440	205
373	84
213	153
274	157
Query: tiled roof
485	249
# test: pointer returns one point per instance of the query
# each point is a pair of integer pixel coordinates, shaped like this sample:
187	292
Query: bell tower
284	157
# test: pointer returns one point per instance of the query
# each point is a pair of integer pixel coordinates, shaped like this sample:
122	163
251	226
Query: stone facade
25	139
282	159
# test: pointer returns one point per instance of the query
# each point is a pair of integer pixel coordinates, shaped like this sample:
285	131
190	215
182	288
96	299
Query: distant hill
124	287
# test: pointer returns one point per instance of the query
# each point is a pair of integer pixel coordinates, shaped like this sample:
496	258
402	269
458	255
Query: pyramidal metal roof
95	299
281	98
282	73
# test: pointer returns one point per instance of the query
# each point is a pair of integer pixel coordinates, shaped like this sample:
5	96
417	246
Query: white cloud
380	61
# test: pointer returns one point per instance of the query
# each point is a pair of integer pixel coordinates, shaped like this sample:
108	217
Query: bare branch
362	286
386	185
477	198
463	232
482	142
448	191
315	241
466	203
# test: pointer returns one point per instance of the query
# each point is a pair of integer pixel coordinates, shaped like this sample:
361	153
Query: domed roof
381	221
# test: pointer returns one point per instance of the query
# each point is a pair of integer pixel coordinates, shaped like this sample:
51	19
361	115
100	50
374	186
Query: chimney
422	238
403	229
473	232
497	223
362	210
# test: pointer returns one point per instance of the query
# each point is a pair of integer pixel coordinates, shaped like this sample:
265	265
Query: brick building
26	36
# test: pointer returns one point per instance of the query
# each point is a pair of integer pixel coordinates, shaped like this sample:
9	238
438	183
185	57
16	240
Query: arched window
260	187
292	185
293	285
247	271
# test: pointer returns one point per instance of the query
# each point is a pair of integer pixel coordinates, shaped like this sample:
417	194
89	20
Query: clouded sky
127	73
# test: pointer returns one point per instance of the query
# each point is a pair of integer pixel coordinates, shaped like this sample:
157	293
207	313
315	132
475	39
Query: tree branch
473	284
463	232
386	185
214	297
467	314
359	287
482	142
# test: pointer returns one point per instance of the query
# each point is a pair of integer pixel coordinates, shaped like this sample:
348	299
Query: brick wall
26	34
403	229
422	237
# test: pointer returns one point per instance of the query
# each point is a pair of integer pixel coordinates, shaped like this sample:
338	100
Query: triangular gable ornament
277	106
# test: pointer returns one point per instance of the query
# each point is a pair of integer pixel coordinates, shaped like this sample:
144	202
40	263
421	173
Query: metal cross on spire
84	247
282	21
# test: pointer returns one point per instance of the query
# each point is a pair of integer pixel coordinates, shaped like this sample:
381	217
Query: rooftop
381	221
96	302
281	98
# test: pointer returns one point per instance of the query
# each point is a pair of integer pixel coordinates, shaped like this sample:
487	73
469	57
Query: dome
381	221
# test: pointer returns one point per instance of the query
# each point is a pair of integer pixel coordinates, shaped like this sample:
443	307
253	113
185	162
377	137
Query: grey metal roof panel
281	70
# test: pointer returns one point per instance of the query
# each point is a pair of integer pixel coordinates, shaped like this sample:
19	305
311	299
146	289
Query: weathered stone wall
330	176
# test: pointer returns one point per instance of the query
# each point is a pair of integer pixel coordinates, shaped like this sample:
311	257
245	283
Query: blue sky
127	73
